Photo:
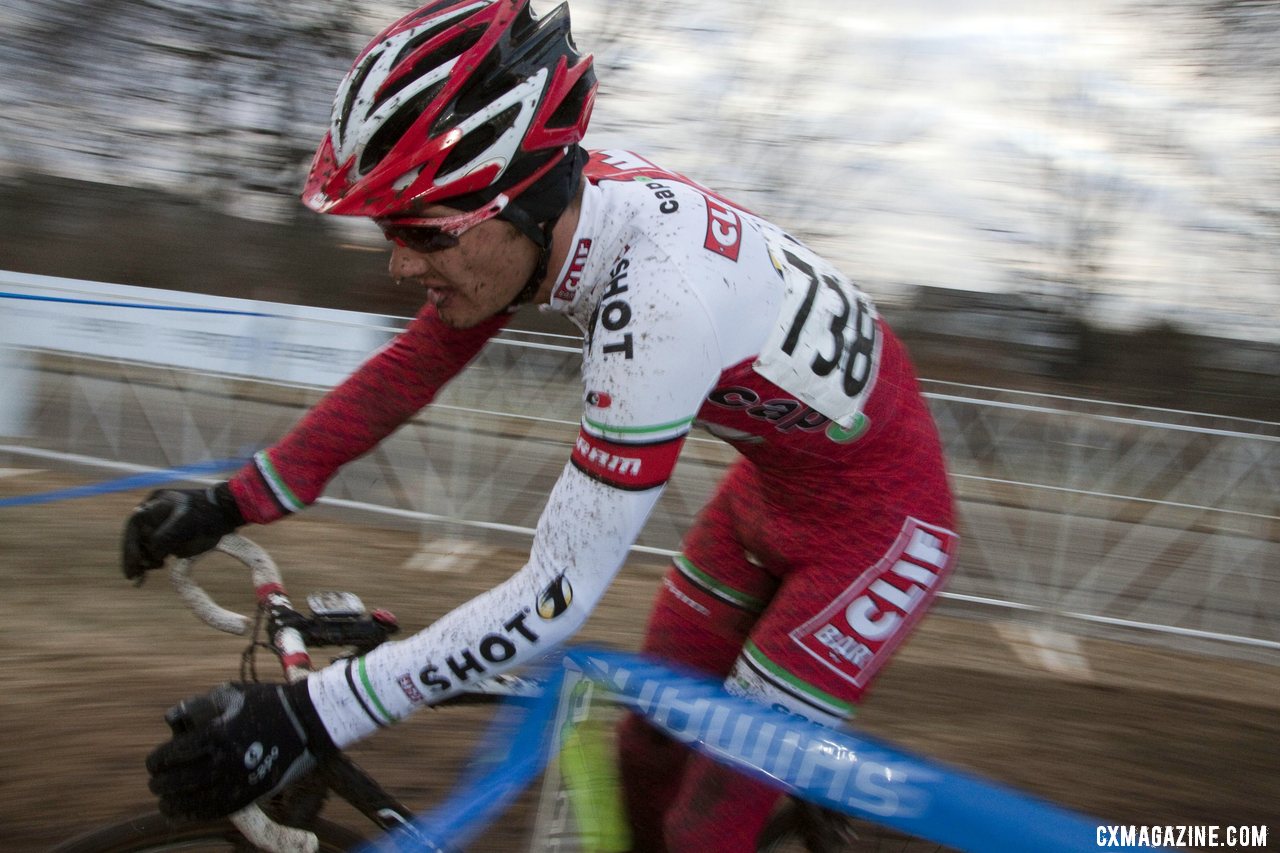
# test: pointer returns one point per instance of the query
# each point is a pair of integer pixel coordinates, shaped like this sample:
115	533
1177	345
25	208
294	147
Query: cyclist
457	131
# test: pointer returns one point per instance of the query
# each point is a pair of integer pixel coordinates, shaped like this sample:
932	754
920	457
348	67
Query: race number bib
825	348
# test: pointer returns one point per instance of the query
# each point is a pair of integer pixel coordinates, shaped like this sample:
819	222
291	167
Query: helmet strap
543	242
515	213
547	201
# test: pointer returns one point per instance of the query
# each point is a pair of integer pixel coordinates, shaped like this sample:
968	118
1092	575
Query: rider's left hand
234	745
178	522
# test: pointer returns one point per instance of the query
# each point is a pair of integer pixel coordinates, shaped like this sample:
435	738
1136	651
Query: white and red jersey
694	312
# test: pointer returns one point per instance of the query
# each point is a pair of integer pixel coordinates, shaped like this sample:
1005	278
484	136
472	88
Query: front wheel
153	833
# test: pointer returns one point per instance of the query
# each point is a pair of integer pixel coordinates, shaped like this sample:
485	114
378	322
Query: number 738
856	351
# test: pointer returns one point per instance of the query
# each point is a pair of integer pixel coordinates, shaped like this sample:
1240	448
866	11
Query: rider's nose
405	263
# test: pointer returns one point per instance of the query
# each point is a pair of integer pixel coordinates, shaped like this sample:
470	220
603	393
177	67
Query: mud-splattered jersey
694	312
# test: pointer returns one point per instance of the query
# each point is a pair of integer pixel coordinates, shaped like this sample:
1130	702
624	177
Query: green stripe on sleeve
373	695
278	486
604	430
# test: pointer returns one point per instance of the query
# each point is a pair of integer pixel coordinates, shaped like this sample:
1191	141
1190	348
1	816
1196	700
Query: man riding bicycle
457	131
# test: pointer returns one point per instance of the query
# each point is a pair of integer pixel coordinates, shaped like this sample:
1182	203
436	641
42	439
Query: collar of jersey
587	229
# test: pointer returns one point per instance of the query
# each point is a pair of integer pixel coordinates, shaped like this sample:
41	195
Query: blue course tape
854	774
124	484
142	305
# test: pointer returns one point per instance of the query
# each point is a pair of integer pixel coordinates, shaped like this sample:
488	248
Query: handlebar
264	572
252	822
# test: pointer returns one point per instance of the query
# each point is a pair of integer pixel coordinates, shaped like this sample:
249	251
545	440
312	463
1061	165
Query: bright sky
966	144
969	144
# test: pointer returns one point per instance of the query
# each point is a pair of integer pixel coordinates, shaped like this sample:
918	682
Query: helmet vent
395	127
342	121
479	140
451	49
430	9
570	110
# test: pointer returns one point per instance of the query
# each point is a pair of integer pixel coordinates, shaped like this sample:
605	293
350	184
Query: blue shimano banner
854	774
512	754
851	773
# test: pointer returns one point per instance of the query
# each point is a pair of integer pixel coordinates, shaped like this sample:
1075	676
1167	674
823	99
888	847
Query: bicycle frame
837	770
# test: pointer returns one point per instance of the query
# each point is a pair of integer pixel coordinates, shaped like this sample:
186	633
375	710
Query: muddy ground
90	663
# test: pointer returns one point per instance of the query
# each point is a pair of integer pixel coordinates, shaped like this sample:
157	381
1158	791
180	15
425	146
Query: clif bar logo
858	631
724	230
573	277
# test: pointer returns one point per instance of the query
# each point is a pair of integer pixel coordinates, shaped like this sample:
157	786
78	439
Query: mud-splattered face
474	280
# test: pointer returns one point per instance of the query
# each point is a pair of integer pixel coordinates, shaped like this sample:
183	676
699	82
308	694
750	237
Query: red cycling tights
796	592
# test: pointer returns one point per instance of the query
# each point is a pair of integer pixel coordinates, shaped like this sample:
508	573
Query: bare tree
226	97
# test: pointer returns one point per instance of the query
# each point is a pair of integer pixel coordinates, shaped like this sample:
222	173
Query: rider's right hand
179	523
234	745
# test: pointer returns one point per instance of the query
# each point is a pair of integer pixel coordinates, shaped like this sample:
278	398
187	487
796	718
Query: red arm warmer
387	390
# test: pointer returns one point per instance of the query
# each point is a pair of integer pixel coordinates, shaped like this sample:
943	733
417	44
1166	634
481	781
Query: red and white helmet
459	100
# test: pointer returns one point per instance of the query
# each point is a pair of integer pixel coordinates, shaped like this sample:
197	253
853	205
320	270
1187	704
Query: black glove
235	744
181	522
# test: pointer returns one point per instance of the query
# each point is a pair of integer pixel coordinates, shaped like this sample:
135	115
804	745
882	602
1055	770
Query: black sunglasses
437	233
420	238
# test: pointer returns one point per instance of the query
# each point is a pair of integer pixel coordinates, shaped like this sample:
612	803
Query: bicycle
291	821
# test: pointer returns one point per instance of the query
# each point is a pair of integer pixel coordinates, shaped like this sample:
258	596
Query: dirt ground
90	663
